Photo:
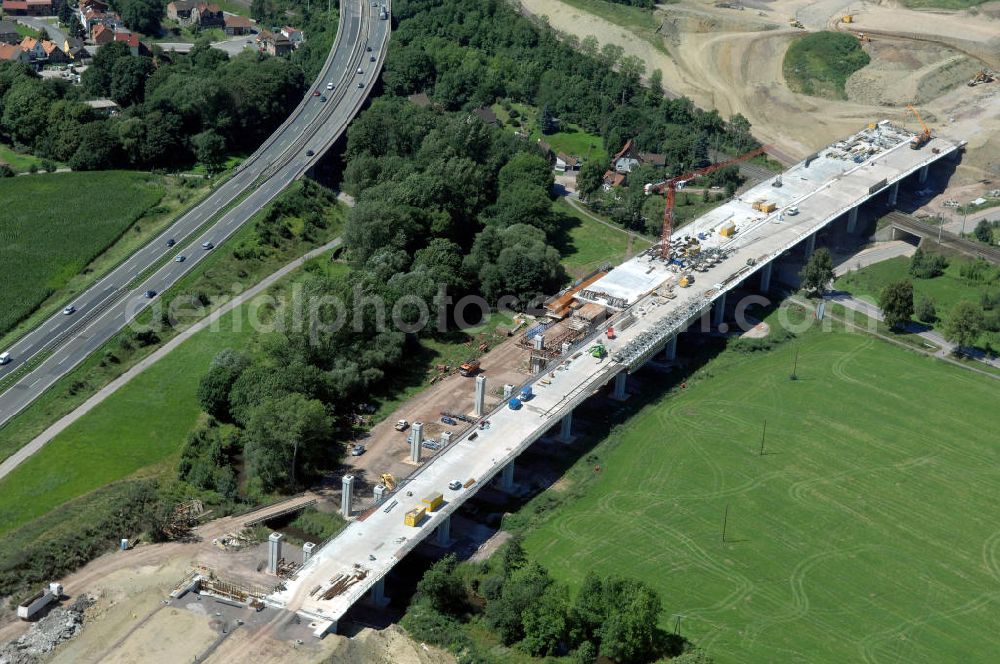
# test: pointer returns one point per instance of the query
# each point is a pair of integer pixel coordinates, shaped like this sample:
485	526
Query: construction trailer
30	607
415	516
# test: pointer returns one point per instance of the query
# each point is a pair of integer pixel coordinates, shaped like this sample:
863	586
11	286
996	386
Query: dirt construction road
731	61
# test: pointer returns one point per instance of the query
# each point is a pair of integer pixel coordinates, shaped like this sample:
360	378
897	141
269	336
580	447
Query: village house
238	25
274	43
28	8
13	53
294	35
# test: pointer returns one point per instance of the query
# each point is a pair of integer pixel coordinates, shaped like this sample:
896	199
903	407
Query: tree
97	149
545	622
628	634
43	35
215	386
925	310
964	324
927	266
97	78
127	84
141	15
520	592
442	588
984	231
547	123
75	27
284	439
818	271
210	149
896	302
590	178
65	13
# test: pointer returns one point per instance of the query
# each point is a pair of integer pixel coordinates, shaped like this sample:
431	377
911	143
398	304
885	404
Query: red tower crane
671	188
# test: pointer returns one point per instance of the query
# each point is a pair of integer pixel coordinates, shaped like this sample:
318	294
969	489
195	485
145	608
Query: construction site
248	583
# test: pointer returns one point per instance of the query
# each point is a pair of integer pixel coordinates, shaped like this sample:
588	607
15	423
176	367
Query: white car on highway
4	358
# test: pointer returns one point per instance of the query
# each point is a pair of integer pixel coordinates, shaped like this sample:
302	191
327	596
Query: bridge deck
367	550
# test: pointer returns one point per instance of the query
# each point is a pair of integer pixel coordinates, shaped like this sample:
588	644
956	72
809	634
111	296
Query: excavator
389	481
921	139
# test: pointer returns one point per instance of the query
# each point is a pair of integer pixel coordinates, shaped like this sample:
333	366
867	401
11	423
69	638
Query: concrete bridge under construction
649	307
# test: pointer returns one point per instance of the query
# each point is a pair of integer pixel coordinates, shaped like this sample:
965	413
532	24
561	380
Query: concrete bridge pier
416	441
765	278
810	245
480	405
852	220
670	352
346	495
566	428
893	194
922	173
443	533
719	311
618	392
376	595
507	477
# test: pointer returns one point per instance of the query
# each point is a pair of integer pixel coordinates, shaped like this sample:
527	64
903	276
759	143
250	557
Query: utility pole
795	365
725	520
762	438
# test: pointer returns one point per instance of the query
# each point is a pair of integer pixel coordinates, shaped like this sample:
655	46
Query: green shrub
820	63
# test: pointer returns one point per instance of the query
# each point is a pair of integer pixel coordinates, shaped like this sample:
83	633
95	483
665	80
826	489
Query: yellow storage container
848	19
728	230
685	281
768	208
433	501
414	516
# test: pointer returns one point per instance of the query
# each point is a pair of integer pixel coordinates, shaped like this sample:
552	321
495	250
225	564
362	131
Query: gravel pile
61	624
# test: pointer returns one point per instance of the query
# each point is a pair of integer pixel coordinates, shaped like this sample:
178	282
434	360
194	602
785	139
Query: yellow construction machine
921	139
389	481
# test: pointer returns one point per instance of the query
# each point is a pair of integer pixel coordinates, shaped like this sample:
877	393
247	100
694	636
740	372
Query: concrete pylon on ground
480	404
307	551
719	311
765	277
274	552
346	495
507	477
416	441
618	392
377	594
566	428
379	492
443	533
852	220
810	245
893	194
671	350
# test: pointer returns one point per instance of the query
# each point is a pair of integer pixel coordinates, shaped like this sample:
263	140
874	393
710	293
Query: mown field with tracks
867	531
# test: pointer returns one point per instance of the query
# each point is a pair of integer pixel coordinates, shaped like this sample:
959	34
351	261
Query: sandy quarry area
731	60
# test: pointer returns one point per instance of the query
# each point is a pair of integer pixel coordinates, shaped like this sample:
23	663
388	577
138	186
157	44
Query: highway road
51	350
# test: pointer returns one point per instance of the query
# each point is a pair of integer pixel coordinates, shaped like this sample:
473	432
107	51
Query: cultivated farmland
54	225
866	533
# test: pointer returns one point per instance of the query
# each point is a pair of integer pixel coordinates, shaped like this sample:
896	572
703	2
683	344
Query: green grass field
589	244
945	291
140	426
819	63
20	162
572	140
866	534
54	225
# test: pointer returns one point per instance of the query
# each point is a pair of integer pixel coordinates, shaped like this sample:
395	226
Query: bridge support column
922	173
719	311
618	393
566	428
852	220
346	495
507	477
274	552
810	245
670	352
480	406
307	551
377	594
379	492
765	277
443	533
893	194
416	441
